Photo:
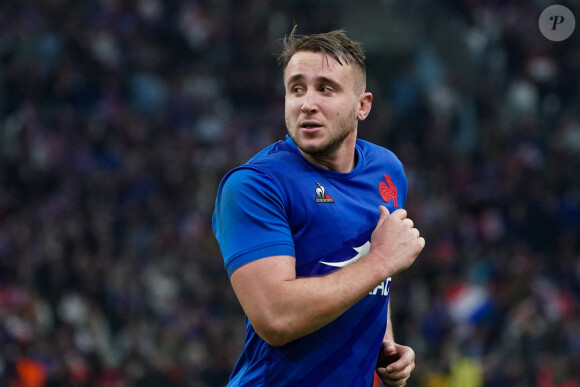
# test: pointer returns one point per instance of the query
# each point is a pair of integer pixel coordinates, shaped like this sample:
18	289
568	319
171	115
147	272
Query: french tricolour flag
468	303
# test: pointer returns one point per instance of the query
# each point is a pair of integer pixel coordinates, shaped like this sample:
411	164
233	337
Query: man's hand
395	241
395	364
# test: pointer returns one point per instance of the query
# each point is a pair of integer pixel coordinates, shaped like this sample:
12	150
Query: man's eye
326	89
297	89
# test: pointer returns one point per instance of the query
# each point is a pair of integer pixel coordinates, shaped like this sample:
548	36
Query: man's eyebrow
326	80
295	78
319	80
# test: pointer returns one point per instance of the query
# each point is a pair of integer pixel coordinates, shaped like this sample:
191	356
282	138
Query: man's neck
343	160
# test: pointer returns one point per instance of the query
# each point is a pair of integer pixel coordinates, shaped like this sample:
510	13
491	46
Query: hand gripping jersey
280	204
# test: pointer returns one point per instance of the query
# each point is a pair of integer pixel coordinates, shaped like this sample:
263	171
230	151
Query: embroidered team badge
388	191
321	195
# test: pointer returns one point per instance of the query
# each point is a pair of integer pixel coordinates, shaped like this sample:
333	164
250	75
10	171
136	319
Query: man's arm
395	362
283	308
389	335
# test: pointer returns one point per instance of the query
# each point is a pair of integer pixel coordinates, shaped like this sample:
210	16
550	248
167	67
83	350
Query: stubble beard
327	149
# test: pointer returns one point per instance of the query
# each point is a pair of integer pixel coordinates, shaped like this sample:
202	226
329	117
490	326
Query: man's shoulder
265	167
277	158
377	152
271	153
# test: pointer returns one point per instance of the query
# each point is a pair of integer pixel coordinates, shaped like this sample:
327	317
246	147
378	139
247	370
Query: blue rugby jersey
278	203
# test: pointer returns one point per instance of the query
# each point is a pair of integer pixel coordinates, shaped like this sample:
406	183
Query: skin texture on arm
282	307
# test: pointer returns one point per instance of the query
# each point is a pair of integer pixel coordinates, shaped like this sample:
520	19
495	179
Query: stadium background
118	118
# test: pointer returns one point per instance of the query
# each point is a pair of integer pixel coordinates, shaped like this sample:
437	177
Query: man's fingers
400	213
395	376
384	213
399	370
422	242
391	380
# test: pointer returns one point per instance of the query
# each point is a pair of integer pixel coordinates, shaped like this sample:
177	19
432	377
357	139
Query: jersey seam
240	254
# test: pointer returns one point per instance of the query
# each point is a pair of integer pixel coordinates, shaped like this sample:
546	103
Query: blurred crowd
118	118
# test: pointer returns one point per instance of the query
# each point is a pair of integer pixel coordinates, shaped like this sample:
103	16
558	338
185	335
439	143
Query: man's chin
315	146
318	152
312	147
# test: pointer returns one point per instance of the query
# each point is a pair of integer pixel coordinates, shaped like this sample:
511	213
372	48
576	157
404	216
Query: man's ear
365	103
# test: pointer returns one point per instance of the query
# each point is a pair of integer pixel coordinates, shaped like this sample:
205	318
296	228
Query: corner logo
388	191
557	23
321	195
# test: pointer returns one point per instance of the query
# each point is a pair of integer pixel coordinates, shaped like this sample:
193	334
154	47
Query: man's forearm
389	335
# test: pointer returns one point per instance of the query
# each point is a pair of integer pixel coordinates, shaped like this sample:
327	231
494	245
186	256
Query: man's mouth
310	126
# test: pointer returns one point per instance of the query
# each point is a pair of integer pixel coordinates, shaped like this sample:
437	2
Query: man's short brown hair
334	44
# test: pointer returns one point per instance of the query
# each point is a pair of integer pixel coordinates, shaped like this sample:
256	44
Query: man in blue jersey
313	228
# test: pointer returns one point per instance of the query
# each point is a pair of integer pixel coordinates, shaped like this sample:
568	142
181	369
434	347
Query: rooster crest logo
388	191
321	195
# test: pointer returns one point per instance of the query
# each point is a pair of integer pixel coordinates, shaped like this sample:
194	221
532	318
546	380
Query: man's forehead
315	57
308	60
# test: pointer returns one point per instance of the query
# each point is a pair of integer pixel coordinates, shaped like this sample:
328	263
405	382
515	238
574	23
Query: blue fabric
280	204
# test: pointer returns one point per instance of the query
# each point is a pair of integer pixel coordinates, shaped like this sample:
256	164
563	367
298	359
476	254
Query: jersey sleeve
250	220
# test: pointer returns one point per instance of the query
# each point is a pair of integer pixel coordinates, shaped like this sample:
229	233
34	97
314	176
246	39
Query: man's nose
309	103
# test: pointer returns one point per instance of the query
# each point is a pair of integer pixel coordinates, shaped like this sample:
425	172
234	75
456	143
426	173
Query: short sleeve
250	220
